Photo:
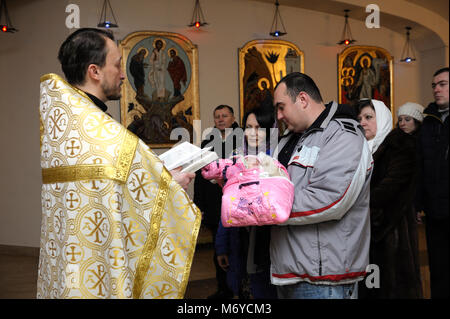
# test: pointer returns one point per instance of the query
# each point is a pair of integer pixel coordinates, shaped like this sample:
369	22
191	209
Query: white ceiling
437	6
420	34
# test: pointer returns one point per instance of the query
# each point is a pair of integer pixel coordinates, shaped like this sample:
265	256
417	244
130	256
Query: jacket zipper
320	255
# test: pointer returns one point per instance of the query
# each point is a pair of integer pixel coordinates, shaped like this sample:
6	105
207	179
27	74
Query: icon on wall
262	64
161	90
365	72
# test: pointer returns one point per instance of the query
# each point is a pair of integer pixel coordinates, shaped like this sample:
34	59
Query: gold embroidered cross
73	253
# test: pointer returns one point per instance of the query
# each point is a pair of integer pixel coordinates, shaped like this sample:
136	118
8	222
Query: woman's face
368	120
406	124
253	133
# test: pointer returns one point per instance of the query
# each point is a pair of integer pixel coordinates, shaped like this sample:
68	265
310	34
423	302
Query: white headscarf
384	125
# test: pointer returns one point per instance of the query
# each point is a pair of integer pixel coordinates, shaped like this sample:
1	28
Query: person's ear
93	72
302	99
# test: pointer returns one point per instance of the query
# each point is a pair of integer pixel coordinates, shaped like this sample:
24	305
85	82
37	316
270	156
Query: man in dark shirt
433	183
208	196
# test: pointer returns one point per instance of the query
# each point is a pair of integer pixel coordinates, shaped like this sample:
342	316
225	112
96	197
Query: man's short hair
440	71
297	82
223	106
83	47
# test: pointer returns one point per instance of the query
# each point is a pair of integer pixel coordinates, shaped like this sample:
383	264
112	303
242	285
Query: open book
189	156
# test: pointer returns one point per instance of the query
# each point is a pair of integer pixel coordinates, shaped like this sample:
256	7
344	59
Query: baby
256	190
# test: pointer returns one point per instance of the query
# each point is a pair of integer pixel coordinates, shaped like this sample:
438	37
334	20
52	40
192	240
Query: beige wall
30	53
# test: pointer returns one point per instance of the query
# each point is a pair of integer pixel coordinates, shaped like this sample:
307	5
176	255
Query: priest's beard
111	93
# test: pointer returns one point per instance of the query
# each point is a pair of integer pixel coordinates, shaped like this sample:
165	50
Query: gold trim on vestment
76	173
41	129
190	255
153	233
51	76
56	77
119	172
126	154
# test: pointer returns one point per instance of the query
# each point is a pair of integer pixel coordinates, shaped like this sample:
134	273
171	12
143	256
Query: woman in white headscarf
376	120
392	188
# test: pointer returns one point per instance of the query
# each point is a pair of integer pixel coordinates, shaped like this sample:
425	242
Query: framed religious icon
262	64
365	72
160	93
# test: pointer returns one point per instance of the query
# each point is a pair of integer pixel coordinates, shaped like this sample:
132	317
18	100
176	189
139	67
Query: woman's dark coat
394	246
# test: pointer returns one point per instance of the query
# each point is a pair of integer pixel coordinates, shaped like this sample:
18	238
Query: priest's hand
182	178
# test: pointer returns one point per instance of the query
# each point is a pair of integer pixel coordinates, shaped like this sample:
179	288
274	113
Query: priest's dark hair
297	82
81	48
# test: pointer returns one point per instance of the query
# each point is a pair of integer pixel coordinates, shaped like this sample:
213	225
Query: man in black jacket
208	196
433	195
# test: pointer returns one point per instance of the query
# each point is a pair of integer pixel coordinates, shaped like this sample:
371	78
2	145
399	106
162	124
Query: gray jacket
326	239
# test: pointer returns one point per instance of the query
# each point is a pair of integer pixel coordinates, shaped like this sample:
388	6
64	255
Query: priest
115	222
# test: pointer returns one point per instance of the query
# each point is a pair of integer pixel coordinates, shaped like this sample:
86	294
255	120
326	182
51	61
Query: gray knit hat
411	109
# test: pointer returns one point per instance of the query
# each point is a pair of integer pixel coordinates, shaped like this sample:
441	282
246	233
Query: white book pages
188	156
200	162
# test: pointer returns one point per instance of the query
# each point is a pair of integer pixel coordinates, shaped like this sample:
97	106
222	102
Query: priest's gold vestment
114	223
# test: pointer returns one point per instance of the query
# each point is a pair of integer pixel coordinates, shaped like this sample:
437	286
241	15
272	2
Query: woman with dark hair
243	252
393	226
410	118
257	124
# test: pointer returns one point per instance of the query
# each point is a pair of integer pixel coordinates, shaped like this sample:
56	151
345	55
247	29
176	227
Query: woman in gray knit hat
410	117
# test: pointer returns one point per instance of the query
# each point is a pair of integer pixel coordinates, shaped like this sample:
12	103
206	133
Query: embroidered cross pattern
99	283
56	123
97	222
140	188
99	124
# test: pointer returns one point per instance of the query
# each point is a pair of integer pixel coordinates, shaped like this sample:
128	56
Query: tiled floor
18	273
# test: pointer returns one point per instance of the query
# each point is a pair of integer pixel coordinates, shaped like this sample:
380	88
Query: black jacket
394	245
432	195
208	196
